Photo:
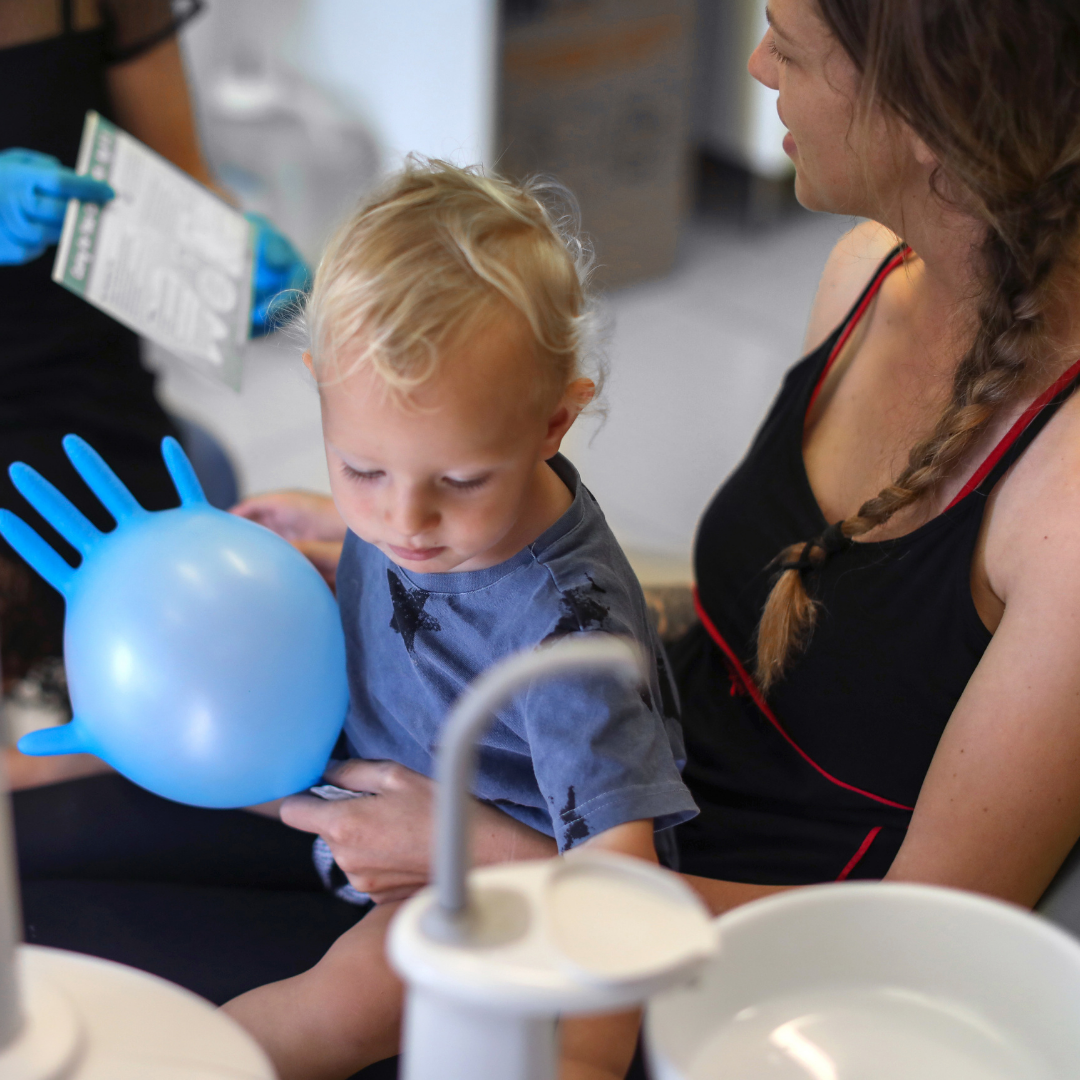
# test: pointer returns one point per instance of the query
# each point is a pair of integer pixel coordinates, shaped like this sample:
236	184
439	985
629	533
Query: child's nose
414	514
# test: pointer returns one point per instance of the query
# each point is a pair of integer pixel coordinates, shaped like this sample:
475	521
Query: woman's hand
310	522
383	841
34	193
280	279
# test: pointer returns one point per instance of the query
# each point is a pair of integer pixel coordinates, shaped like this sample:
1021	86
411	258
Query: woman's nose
762	66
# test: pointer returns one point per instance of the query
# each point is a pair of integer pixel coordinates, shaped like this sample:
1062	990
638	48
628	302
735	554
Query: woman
65	366
910	706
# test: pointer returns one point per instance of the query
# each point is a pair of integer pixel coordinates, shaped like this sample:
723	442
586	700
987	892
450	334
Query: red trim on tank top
857	314
751	688
1013	433
1029	414
741	678
855	859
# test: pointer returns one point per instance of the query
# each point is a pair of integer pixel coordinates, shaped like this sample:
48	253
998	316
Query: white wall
696	358
735	116
422	73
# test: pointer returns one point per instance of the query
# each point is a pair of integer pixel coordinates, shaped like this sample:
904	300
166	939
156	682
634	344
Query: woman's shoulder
1029	553
848	271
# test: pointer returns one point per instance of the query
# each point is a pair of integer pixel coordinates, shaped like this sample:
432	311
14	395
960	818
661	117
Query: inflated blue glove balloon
204	654
34	193
280	279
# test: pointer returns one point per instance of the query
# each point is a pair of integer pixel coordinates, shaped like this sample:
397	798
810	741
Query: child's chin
438	563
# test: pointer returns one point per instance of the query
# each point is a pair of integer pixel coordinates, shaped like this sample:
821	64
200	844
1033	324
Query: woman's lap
218	942
217	901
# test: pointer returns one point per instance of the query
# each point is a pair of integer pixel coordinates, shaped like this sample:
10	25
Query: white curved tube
469	718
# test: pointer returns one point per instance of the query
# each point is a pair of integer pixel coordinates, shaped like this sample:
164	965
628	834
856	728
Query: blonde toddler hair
438	251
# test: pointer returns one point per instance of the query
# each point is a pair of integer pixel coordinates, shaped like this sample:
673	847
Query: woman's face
841	166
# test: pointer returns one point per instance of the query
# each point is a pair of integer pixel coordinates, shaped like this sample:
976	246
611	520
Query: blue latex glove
34	193
280	277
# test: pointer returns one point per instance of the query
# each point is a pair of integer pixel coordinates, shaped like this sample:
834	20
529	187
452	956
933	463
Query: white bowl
876	982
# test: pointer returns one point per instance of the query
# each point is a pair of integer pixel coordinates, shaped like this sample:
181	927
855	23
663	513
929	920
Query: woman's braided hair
993	89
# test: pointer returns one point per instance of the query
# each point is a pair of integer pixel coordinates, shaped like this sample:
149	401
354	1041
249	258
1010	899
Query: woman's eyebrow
772	22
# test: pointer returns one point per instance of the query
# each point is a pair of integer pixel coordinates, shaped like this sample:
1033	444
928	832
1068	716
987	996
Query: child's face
452	478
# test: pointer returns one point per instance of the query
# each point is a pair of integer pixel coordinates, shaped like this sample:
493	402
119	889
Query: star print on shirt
409	614
581	609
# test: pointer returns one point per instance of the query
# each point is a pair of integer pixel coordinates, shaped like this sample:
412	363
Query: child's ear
581	392
576	396
309	363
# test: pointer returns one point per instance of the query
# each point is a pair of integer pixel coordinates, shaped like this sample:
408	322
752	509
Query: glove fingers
259	325
279	277
13	253
18	227
47	213
276	252
299	279
30	157
64	184
49	232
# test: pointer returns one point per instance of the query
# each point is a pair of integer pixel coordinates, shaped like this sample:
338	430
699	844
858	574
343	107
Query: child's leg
336	1018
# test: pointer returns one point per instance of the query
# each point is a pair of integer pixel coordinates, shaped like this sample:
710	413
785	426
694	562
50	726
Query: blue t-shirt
570	757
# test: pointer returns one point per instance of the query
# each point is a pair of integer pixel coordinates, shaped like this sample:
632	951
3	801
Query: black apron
64	365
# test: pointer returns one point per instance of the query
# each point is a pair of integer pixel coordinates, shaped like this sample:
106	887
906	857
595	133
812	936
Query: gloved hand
279	278
34	193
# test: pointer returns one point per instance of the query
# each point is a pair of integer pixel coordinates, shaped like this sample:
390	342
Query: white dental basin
876	982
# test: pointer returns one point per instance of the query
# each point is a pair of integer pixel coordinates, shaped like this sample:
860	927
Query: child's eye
780	57
357	474
466	485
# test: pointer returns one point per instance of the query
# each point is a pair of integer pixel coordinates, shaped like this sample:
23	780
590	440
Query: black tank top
64	365
818	782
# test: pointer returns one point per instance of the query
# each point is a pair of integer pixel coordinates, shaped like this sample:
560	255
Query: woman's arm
151	101
23	771
721	896
1000	807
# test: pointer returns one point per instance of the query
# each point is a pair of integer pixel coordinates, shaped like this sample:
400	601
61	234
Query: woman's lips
789	144
415	554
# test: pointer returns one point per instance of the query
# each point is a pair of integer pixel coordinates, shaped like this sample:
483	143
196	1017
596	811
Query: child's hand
324	555
310	522
294	515
383	843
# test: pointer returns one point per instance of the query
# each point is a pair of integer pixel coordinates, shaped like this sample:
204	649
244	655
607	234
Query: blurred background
643	108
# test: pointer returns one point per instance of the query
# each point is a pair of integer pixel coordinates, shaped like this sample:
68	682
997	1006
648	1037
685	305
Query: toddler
447	321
